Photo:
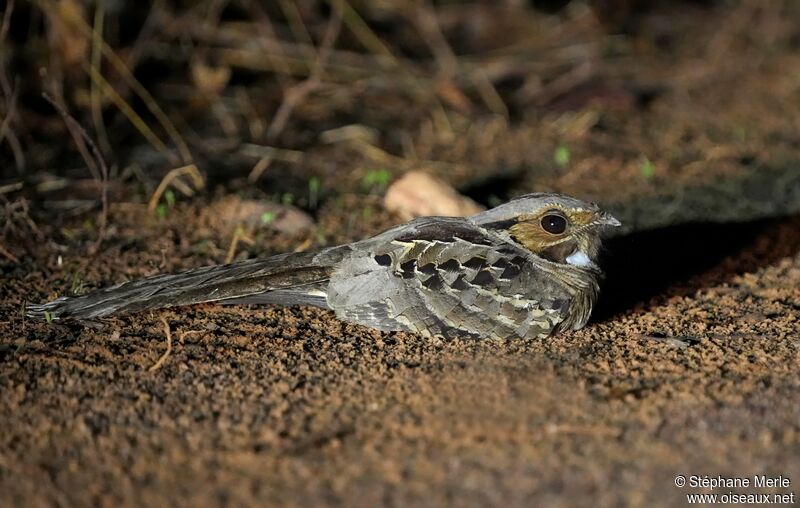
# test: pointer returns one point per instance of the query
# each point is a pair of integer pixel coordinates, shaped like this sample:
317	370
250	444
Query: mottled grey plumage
484	276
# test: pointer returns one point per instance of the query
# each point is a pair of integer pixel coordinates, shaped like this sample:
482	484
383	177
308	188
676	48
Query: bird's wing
447	277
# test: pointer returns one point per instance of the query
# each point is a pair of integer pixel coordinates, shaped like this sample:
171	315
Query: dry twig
239	235
97	54
8	255
170	178
10	97
261	166
120	66
294	95
163	359
81	136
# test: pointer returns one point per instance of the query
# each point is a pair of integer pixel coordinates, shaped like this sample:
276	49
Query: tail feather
291	275
312	295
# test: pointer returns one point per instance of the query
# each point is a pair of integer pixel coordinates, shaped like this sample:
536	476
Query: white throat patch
579	258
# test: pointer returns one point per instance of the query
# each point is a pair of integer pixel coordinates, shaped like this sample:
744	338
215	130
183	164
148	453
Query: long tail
294	278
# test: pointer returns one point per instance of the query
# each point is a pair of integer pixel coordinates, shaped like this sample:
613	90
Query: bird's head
555	227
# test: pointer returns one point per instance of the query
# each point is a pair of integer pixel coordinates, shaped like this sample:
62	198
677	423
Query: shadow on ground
678	260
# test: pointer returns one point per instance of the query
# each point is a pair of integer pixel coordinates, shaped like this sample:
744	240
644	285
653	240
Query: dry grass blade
279	154
163	359
373	43
296	25
256	61
10	96
129	112
97	54
189	170
294	95
120	66
81	136
364	33
261	166
6	19
567	81
11	187
11	106
268	43
489	94
75	129
8	255
428	25
239	235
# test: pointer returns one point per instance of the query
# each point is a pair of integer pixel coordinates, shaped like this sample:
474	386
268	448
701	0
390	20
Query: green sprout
377	179
77	284
161	211
48	316
163	208
267	217
561	155
287	198
313	191
647	168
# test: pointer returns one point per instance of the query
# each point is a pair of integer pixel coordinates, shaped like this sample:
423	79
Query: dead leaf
419	194
252	215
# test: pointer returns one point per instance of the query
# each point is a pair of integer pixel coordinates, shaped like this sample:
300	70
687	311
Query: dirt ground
690	365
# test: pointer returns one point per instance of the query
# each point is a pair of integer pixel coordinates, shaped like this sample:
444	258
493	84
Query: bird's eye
554	224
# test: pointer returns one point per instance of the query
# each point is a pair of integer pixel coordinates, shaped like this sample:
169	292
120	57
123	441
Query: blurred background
667	111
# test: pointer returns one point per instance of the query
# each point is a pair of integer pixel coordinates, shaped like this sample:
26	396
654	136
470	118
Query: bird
527	268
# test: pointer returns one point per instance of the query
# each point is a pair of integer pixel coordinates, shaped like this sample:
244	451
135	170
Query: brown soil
690	366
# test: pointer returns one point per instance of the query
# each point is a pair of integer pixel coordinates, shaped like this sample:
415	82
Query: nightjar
527	268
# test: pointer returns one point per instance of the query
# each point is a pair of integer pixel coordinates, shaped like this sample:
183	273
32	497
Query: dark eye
554	224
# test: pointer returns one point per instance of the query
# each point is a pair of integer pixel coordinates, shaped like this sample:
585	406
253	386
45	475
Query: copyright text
720	489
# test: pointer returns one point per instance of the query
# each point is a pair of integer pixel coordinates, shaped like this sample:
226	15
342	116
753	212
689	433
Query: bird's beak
606	219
